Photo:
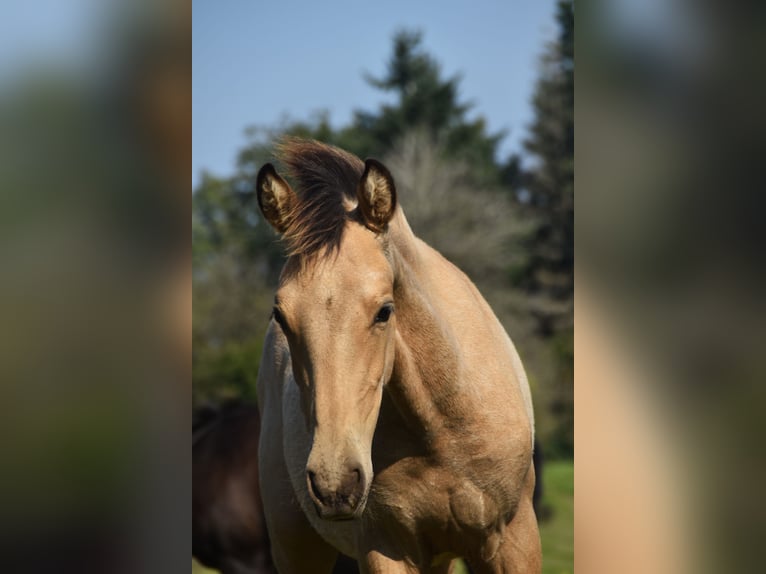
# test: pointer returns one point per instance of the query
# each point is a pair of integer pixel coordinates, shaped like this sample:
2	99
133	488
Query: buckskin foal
397	418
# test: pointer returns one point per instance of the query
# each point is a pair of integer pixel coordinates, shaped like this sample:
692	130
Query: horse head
335	305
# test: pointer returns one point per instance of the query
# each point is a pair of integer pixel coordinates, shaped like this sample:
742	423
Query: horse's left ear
377	195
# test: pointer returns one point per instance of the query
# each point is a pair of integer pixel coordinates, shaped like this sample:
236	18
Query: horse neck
425	383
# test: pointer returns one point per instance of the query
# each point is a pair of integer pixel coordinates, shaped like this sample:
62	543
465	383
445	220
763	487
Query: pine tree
548	197
549	186
425	101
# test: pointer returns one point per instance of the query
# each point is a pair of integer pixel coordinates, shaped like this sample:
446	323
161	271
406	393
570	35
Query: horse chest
431	510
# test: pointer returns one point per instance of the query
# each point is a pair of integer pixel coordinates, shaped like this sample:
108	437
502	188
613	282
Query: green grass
557	532
197	568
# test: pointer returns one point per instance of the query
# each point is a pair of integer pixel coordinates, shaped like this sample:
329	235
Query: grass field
197	569
557	532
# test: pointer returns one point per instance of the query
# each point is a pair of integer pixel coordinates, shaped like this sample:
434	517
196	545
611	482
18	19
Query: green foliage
236	264
228	371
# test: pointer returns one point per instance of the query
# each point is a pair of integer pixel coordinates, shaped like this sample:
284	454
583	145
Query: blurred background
671	320
95	294
472	109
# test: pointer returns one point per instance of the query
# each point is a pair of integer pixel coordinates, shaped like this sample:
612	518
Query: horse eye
384	314
277	316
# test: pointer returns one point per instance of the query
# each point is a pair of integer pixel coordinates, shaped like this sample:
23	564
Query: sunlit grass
197	568
557	532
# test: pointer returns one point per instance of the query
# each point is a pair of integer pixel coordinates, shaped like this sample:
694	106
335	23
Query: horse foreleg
297	549
376	563
519	550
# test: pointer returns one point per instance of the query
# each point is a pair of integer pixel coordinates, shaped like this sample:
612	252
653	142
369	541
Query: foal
397	418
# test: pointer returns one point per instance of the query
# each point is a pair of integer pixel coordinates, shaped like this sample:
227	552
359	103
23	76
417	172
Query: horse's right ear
275	197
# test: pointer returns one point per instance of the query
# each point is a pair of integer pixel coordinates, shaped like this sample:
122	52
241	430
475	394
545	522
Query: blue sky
256	61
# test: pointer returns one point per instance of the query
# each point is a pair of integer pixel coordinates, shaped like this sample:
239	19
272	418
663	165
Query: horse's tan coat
434	405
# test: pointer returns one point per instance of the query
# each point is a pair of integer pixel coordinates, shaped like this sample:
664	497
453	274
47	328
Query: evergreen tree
549	187
547	196
425	101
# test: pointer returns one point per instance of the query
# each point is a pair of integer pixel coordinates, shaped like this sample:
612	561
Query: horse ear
275	197
377	195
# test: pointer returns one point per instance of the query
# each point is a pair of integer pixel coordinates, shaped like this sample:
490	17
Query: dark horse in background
228	527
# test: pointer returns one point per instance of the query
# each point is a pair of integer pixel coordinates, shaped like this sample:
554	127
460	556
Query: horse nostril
350	485
345	491
313	486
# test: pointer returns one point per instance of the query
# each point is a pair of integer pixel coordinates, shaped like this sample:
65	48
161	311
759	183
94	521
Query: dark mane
325	179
